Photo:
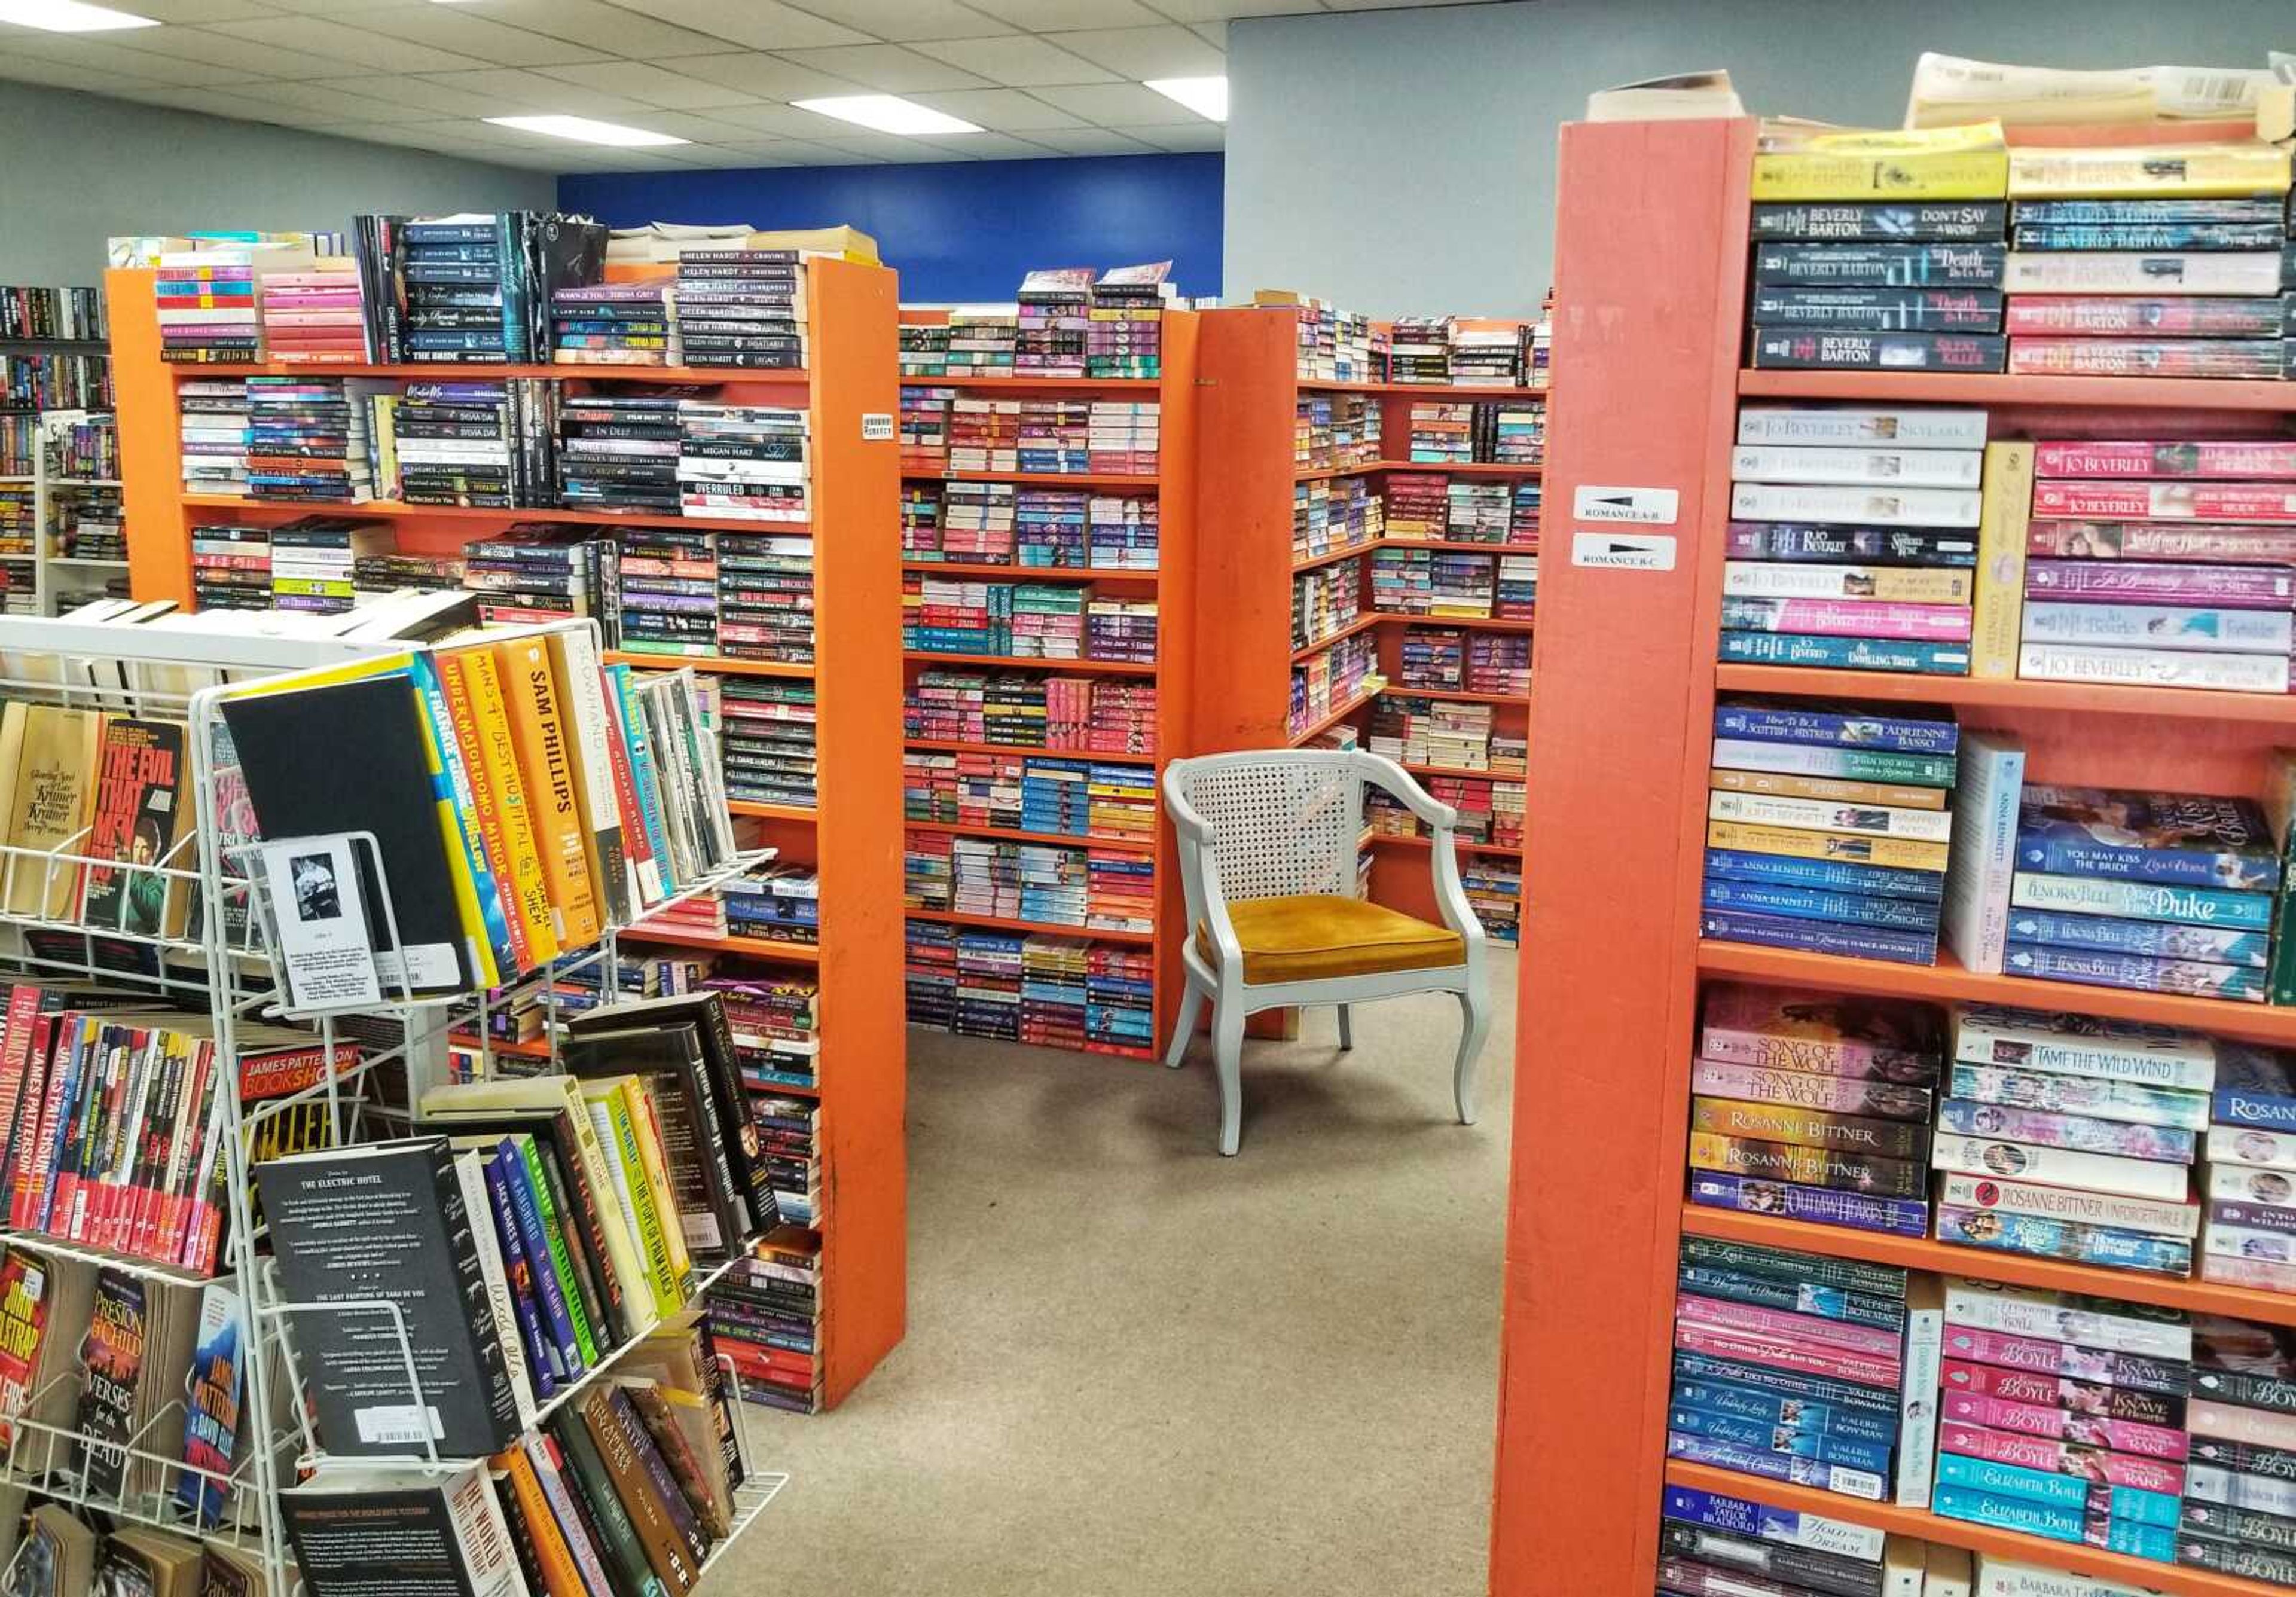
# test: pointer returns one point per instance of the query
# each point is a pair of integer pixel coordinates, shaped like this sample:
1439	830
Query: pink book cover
2107	315
2141	582
2027	1353
1754	1320
2161	540
2063	1425
1854	618
1832	1034
2226	1271
1834	1093
2057	1458
2182	457
2231	1422
1783	1353
2166	501
2052	1391
2253	359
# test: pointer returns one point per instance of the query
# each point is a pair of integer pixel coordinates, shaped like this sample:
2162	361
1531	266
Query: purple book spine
1821	937
1821	1206
2093	968
2109	581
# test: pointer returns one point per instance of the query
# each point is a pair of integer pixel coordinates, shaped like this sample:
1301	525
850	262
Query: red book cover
184	1155
31	1171
24	1282
2165	501
16	1088
139	815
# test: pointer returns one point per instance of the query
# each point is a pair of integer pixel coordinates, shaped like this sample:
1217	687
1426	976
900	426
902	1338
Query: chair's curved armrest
1185	819
1401	785
1199	882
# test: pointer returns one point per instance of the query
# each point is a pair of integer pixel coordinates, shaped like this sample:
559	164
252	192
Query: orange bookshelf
1171	584
851	840
1652	225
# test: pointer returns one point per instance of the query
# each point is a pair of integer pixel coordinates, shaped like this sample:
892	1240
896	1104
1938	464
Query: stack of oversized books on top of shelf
313	315
2152	260
1486	353
206	301
1054	303
475	287
1912	283
1333	344
1125	333
740	309
1852	541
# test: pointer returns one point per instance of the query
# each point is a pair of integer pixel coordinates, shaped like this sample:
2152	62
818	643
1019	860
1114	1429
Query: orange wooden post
151	440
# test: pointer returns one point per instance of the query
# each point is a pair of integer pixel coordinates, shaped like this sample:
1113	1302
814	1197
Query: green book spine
561	1261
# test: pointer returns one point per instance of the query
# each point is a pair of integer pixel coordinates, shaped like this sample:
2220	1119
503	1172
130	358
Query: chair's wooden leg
1474	1025
1192	1010
1227	1056
1346	1029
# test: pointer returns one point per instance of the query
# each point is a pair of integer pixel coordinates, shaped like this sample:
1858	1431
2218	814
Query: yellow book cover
2224	171
1834	789
538	723
665	1278
49	813
1897	854
1797	162
645	1125
2000	606
527	894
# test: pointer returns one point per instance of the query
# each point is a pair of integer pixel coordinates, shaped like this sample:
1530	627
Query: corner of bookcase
151	434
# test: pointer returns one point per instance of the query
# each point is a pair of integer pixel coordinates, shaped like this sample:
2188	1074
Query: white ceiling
1042	77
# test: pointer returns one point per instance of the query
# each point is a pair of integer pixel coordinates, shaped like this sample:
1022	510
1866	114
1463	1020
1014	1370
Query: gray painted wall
1402	162
76	169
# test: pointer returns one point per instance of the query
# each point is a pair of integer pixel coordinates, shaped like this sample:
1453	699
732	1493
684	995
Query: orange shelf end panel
857	840
1180	630
150	440
1649	277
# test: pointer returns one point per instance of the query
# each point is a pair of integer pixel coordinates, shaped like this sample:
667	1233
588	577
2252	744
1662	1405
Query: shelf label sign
1651	507
876	427
1624	551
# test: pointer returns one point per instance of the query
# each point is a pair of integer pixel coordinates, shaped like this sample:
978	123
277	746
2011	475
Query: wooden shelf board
392	508
1326	473
717	665
1364	622
1463	771
1310	562
1044	480
1389	839
1339	713
1946	981
1458	546
964	746
1456	695
1034	384
800	953
1057	667
2114	1567
800	814
1992	389
529	1048
2193	704
1472	623
949	917
1065	840
487	371
1473	467
950	568
1425	390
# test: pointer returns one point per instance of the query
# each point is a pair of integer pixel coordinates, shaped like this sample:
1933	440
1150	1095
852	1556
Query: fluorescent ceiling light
888	113
1205	96
585	130
69	16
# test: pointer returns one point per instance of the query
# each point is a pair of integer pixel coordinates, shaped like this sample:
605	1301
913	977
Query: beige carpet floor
1136	1367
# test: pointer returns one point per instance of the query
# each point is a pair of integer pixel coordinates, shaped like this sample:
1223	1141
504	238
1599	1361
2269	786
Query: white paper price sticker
876	427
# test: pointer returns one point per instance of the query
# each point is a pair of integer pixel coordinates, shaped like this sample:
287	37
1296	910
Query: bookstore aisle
1132	1369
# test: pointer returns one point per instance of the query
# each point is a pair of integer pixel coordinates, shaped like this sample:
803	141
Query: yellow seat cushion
1313	937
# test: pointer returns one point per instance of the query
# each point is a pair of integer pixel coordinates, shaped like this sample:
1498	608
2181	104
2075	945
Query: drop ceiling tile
600	26
56	75
213	103
1091	140
1046	16
1214	11
651	84
369	50
255	57
887	67
1021	60
1141	53
767	76
896	147
758	24
185	12
998	146
1000	110
331	97
143	66
465	31
1118	105
790	152
702	129
903	21
442	99
1391	4
1178	139
1213	34
509	91
780	121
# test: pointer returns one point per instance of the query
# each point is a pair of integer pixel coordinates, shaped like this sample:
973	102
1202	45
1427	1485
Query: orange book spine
463	712
530	889
559	1574
538	723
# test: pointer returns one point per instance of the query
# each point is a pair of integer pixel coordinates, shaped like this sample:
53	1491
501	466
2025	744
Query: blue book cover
1904	729
2255	1086
532	1242
2153	940
1809	903
2142	901
1788	1413
2188	840
2056	1524
1820	1206
1820	937
1785	1440
1824	875
2137	1506
1795	1297
211	1404
2068	1492
1869	1485
542	1361
451	782
1844	654
1742	1517
1706	1369
630	724
2134	973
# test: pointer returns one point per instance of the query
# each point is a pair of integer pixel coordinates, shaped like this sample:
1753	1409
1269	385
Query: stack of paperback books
1475	512
1122	436
764	1318
1053	318
2239	1499
1492	883
1121	532
1331	679
1334	345
1522	514
1797	1368
619	452
1434	657
929	974
920	521
1047	527
306	440
1711	1544
1828	829
983	435
1119	1010
313	560
924	429
614	324
1442	434
777	1030
2151	261
1516	598
1425	582
2105	854
1048	621
2014	1454
774	904
1325	600
2073	1138
1120	629
2247	1236
1055	436
392	571
791	1150
1910	283
215	434
766	730
1412	731
982	343
1335	430
1497	662
1419	350
1054	993
313	316
468	443
1125	334
533	573
1332	515
1815	1106
1418	506
231	567
742	308
743	461
765	597
2162	563
663	598
978	522
206	304
1489	354
924	349
1805	481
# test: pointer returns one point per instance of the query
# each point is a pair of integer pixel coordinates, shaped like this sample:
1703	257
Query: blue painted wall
955	229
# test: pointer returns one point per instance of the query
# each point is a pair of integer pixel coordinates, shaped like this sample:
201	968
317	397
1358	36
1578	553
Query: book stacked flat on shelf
213	429
1331	678
776	1026
1492	884
1815	1106
764	1318
1124	331
1710	1544
2248	1234
1419	350
924	349
1325	602
231	567
774	904
467	443
1828	827
1810	479
2151	261
663	597
2073	1138
984	435
2238	1496
743	307
982	342
1487	353
1433	582
1418	506
2115	880
313	315
312	561
206	308
2164	563
1334	345
1498	663
922	519
1122	436
1793	1367
765	597
1330	516
1047	526
615	325
1054	317
744	460
621	451
924	428
1331	431
2052	1468
306	440
533	572
1913	282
